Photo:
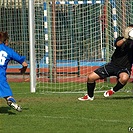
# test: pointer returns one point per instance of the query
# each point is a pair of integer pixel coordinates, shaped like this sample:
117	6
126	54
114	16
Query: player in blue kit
7	54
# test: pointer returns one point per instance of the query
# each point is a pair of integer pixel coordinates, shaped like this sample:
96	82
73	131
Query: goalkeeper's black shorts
110	69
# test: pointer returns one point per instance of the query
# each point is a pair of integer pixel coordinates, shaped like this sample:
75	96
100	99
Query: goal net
78	37
72	39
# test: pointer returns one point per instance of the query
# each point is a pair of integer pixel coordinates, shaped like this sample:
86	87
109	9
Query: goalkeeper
119	66
7	54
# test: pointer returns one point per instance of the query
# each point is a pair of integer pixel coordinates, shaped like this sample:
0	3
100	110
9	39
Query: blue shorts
5	89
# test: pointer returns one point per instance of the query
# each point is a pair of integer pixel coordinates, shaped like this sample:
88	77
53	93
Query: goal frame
32	33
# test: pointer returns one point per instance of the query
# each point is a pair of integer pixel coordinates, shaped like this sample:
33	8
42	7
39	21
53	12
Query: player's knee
124	79
92	77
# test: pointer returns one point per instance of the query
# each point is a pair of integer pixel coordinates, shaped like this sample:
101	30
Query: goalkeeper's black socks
90	89
118	86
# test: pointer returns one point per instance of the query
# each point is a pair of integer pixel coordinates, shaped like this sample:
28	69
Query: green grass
63	113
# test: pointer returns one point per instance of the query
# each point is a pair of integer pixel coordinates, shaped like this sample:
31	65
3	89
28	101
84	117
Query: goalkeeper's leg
12	103
90	87
123	79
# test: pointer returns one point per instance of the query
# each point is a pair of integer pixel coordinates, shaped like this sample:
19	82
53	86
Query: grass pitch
63	113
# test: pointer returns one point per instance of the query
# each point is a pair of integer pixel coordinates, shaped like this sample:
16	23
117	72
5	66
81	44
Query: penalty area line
81	118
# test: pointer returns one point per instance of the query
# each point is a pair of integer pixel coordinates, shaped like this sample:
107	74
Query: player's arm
20	59
121	41
24	64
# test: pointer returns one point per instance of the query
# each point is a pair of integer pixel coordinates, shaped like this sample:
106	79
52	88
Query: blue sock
11	99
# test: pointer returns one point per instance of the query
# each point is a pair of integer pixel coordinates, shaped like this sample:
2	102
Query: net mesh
80	37
72	38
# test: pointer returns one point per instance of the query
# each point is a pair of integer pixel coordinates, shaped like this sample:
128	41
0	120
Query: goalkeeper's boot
12	103
108	93
85	98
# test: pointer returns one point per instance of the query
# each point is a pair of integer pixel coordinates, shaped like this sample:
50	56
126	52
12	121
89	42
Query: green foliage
63	113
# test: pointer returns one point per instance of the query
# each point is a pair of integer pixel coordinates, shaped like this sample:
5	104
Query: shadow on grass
119	98
9	111
6	110
115	98
122	97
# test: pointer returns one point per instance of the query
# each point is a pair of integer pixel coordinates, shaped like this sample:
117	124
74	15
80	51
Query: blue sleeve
16	57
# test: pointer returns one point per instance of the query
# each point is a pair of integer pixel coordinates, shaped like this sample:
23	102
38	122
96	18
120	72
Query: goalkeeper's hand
131	34
23	69
126	33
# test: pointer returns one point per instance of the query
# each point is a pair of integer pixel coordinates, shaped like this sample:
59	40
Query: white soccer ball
131	34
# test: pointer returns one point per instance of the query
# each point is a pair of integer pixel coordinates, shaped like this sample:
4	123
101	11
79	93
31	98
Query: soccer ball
131	34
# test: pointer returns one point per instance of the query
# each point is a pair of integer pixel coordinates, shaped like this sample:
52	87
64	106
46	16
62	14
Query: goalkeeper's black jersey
123	55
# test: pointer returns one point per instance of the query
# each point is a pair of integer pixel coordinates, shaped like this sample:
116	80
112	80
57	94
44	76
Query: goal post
78	37
32	46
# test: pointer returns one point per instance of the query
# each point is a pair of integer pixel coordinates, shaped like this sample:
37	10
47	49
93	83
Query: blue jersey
7	54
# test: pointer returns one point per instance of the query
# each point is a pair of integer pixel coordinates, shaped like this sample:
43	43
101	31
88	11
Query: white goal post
32	46
65	23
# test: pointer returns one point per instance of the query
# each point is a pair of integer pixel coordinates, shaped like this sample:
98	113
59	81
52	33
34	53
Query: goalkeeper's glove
126	33
23	69
131	34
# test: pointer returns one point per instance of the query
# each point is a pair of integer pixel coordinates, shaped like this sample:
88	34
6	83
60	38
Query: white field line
72	118
80	92
79	118
50	92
